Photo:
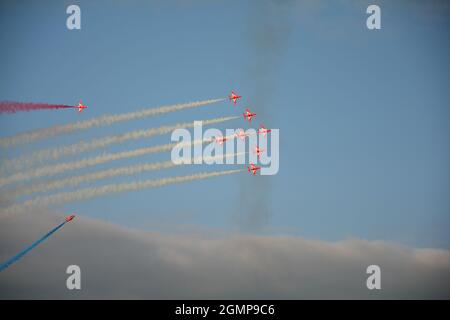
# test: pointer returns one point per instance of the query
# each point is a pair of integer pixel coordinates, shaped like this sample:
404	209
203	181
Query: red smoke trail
13	107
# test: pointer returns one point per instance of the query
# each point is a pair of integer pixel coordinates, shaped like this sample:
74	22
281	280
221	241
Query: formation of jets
248	115
240	133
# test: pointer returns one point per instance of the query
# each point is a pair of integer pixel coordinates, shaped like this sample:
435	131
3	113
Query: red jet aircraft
263	130
220	139
258	151
253	169
81	106
70	218
234	97
241	134
248	115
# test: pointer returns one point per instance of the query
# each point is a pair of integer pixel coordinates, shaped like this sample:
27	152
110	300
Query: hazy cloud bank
122	263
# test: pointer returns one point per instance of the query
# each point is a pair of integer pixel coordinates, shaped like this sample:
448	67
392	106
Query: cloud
122	263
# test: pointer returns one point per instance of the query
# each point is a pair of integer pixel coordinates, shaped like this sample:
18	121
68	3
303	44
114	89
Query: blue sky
363	115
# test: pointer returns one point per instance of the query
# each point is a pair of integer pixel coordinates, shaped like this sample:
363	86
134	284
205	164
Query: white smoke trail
103	174
98	122
88	193
51	170
55	169
77	148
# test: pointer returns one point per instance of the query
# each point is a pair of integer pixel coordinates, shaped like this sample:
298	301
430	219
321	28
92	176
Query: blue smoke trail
9	262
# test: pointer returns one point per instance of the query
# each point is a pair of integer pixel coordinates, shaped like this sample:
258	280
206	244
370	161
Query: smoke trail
88	193
268	35
13	107
9	262
76	148
86	162
100	121
108	173
55	169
